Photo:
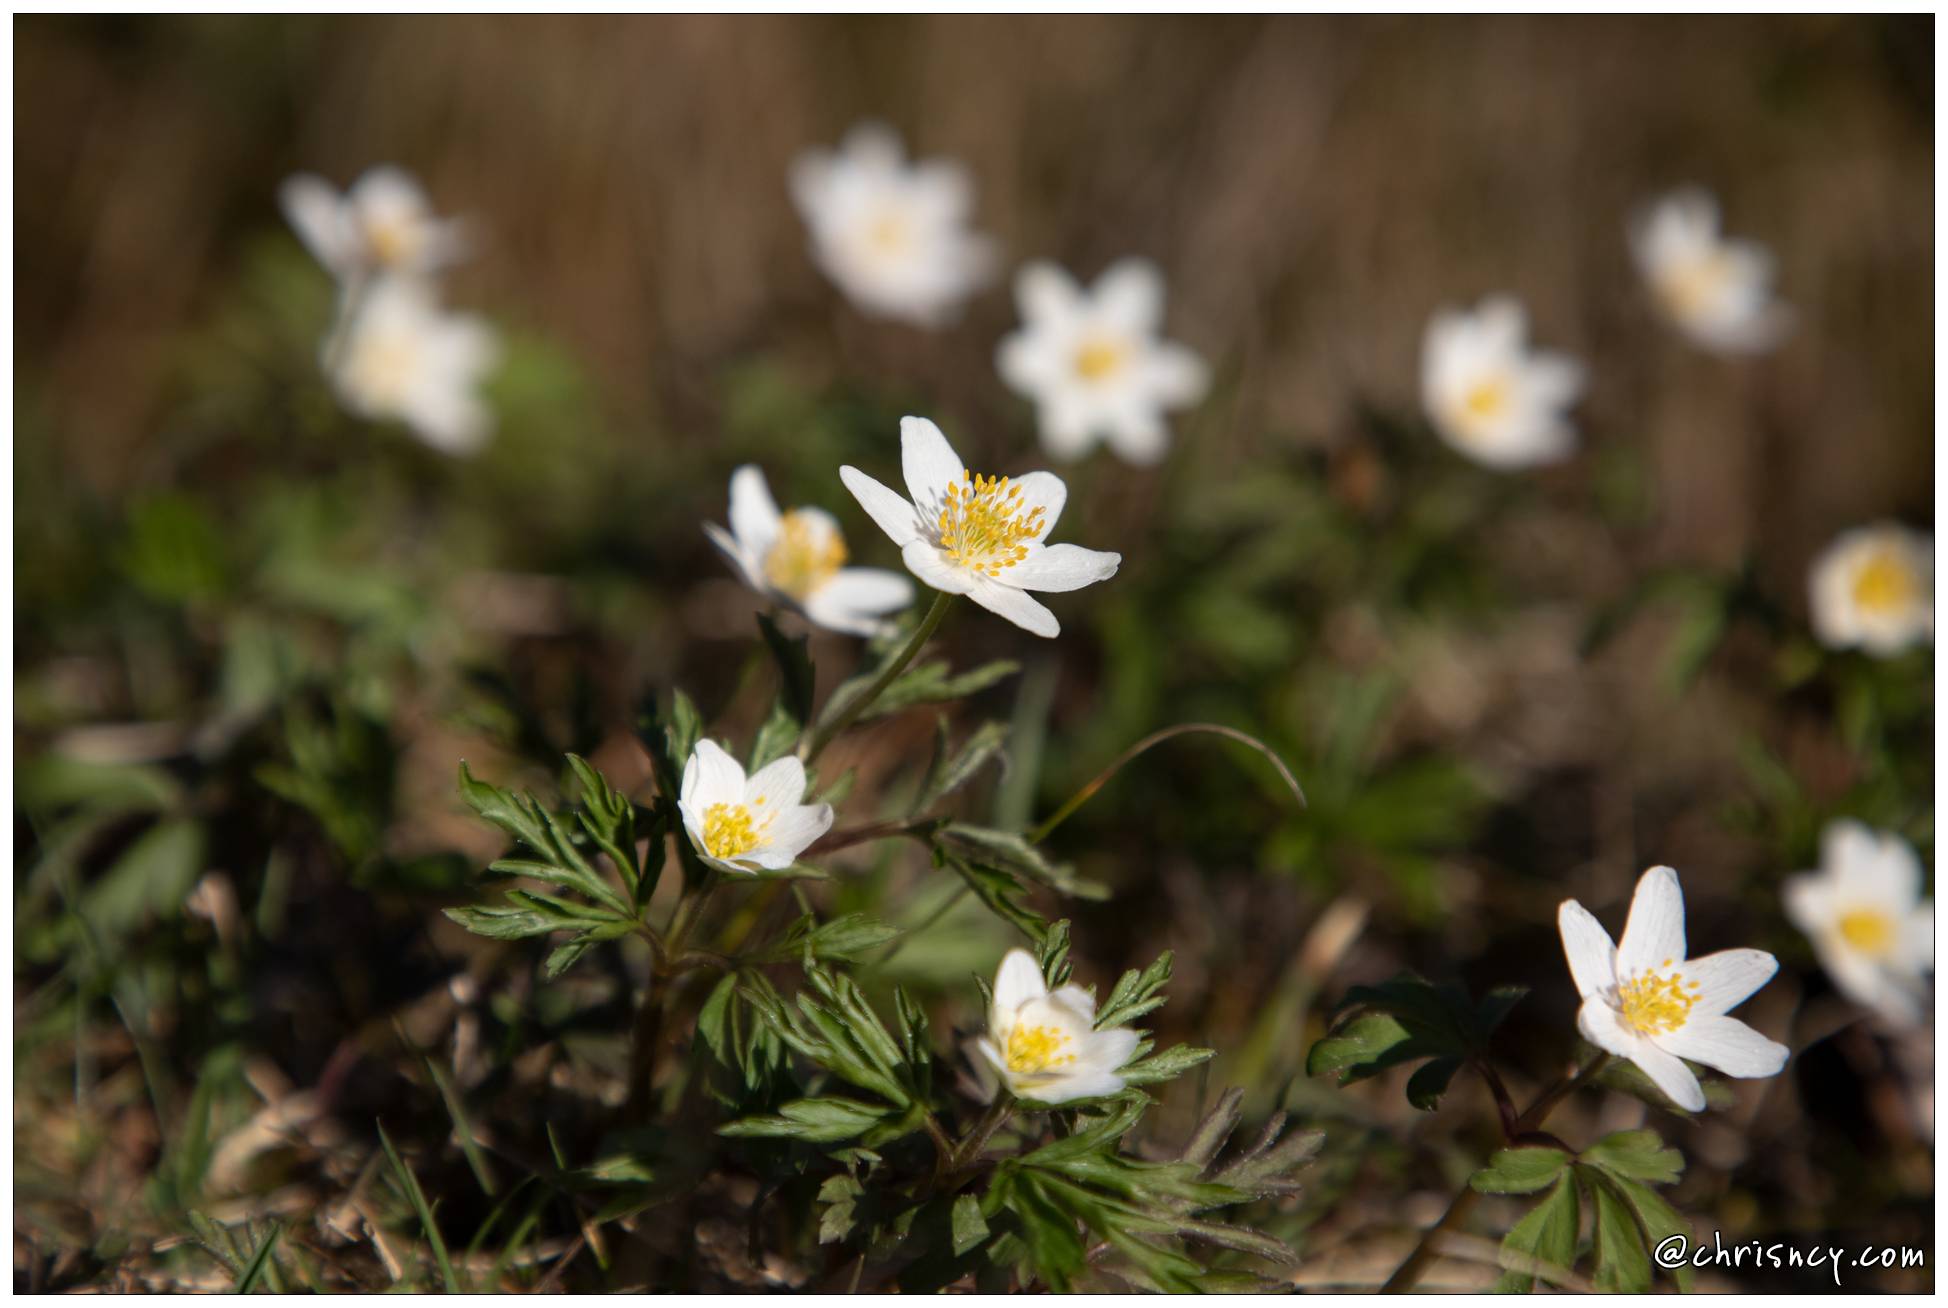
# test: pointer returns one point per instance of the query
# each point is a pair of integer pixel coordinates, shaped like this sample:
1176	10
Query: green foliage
1407	1020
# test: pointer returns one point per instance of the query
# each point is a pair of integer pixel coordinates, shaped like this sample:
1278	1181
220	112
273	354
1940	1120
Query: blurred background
254	636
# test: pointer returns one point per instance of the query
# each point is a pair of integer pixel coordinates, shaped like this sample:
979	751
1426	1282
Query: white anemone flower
799	559
1489	395
1873	587
1094	363
1863	911
1045	1044
382	224
893	235
982	537
1716	291
396	355
1644	1000
747	824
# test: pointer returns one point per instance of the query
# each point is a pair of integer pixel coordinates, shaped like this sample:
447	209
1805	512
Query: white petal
926	562
1017	981
1728	978
1671	1076
1176	376
893	514
1109	1050
1916	946
754	516
1061	568
929	464
1137	430
1046	294
1808	900
1726	1044
1654	935
1082	1085
1602	1027
1129	296
727	546
1044	491
1591	953
1014	605
865	591
790	834
1080	1003
775	787
389	189
719	778
316	213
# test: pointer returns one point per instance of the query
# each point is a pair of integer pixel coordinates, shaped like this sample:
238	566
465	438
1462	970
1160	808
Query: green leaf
1520	1171
152	877
1004	896
521	817
1430	1081
775	738
505	923
1546	1235
1636	1155
1011	851
815	1120
969	1227
1170	1064
1622	1260
1659	1220
926	682
410	1184
1366	1046
974	754
842	940
1136	993
260	1262
609	819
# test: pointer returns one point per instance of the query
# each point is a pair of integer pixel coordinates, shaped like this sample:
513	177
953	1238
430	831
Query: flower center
1693	286
1486	399
382	366
728	831
1100	358
806	555
1653	1004
1033	1049
889	234
984	526
392	240
1867	930
1884	584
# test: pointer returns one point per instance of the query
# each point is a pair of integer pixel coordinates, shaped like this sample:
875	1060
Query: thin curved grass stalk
1101	779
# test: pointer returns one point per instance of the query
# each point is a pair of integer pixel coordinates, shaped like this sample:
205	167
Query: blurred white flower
1863	911
1645	1001
1045	1045
745	824
1489	395
1094	363
799	558
395	355
382	224
893	235
1874	587
1717	291
978	536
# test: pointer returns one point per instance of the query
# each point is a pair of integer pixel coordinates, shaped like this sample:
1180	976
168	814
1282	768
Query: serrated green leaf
1636	1155
1520	1171
843	939
981	747
1547	1234
775	737
1004	896
1166	1066
818	1121
505	923
1363	1047
1659	1220
969	1227
1622	1260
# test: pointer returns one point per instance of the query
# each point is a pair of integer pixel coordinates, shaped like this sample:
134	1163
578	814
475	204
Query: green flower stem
819	739
1409	1272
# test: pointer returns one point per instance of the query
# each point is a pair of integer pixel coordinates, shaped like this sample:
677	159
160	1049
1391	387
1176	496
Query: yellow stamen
1693	286
728	831
1486	399
1884	583
984	526
1033	1049
392	240
889	233
381	366
1099	359
1867	930
806	555
1655	1005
